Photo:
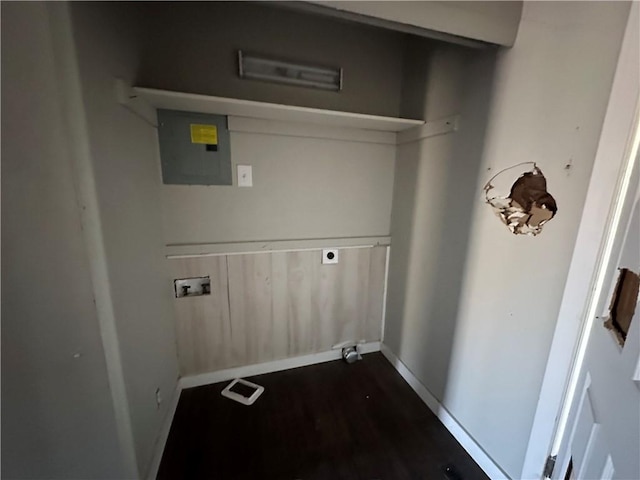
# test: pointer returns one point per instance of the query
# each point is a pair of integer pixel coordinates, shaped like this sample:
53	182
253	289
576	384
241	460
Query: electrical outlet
329	256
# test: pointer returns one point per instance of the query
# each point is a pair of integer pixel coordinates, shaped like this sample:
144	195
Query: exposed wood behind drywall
271	306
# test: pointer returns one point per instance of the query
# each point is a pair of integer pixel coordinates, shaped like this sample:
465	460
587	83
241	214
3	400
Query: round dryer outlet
329	256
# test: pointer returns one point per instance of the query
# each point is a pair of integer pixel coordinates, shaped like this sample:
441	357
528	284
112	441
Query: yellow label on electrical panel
204	134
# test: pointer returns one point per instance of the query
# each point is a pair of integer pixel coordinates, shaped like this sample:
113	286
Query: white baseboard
269	367
460	434
161	442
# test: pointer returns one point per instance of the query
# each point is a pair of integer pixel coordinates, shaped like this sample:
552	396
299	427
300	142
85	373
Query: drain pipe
350	354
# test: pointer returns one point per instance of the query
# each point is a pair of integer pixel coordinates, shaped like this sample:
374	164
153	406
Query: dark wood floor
328	421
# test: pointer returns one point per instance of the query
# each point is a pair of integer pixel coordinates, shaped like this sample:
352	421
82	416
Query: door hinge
549	466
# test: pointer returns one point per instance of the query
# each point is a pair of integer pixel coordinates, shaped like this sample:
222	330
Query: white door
602	440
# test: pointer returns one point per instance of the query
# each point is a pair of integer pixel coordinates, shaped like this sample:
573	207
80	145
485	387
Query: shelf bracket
128	98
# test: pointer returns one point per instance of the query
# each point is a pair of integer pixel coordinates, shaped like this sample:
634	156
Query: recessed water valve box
192	287
329	256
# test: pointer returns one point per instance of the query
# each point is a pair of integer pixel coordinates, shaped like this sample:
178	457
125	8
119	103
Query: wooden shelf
270	111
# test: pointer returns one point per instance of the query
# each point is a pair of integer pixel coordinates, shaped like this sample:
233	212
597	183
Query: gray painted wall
475	315
431	218
192	47
304	188
57	415
124	158
438	78
487	21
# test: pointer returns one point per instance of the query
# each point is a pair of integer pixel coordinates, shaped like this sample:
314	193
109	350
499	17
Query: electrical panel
194	148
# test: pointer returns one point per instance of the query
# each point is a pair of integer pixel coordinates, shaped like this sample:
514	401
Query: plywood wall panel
339	298
250	297
292	275
203	326
270	306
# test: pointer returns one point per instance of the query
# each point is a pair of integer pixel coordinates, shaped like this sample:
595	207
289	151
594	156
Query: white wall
550	97
493	22
617	131
192	47
123	150
303	188
431	221
57	415
438	78
549	100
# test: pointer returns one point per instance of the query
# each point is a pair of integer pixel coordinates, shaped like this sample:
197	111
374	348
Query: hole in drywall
528	206
623	304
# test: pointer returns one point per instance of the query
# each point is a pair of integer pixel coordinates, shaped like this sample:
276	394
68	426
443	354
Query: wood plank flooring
329	421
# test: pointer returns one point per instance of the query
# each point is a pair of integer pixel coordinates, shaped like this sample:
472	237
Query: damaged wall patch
528	206
623	304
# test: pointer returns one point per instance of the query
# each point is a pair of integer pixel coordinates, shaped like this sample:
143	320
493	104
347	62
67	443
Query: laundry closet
260	184
323	164
381	171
